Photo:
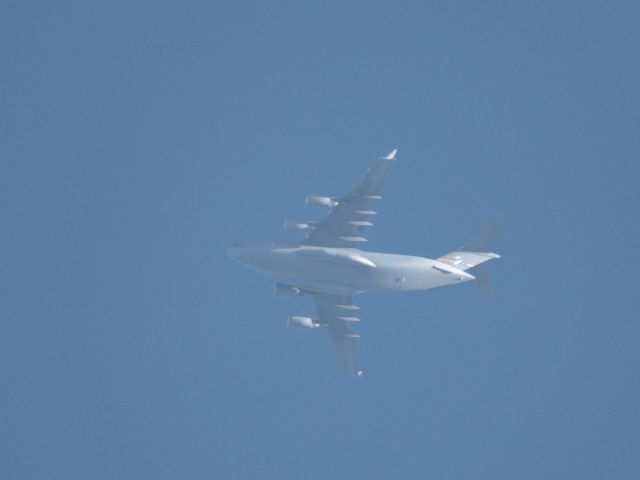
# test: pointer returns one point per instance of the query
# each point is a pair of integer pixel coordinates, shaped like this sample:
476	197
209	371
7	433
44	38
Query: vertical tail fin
483	240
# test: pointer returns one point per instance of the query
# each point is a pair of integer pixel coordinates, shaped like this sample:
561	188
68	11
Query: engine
320	201
301	322
290	226
282	290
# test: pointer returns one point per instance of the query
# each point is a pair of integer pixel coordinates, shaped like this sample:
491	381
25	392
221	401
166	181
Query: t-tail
475	254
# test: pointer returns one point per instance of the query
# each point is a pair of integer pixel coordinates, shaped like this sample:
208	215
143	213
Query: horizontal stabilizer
477	252
463	260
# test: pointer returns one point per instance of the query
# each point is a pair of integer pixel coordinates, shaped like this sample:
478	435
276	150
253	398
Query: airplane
328	267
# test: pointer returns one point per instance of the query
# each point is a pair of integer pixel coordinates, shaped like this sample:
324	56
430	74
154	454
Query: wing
336	313
343	226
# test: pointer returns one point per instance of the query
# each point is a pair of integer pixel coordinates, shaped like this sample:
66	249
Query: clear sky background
138	140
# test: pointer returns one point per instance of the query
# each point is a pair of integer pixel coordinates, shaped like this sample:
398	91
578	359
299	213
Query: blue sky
138	140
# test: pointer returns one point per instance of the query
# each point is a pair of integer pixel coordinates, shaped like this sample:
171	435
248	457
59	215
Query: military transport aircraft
327	267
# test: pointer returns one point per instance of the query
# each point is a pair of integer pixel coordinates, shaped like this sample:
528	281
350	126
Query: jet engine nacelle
301	322
282	290
320	201
290	226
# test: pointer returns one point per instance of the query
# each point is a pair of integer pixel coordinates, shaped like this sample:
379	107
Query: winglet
391	155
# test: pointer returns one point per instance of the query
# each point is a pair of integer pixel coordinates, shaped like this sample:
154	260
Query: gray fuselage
346	271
